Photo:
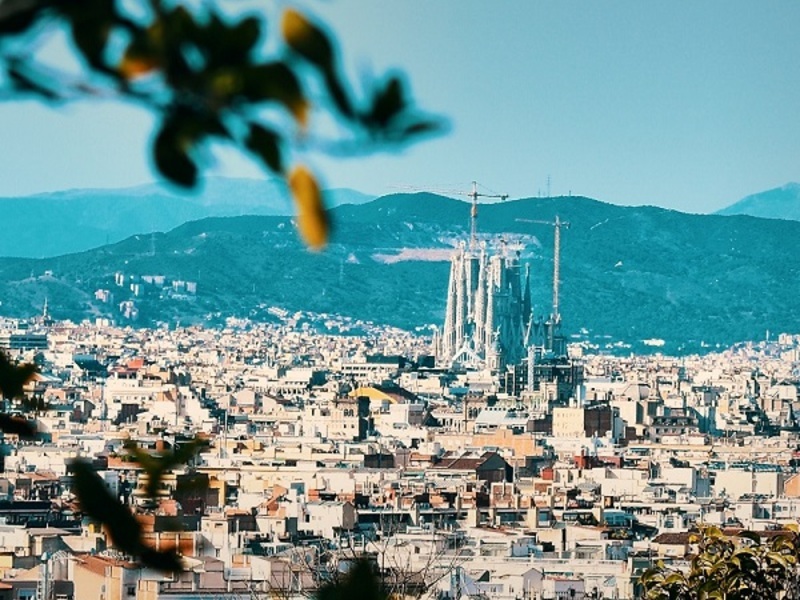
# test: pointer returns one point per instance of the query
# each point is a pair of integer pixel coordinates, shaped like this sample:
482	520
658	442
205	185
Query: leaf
91	41
387	103
17	16
97	502
222	44
750	535
139	59
340	98
307	40
420	127
184	452
310	42
361	582
16	425
312	218
171	153
155	465
240	39
674	579
265	144
91	22
24	83
13	377
778	559
124	530
275	81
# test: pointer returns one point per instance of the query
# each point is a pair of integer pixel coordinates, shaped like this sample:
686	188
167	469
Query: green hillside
628	272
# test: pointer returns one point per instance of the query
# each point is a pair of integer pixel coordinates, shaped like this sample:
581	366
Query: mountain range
45	225
631	273
778	203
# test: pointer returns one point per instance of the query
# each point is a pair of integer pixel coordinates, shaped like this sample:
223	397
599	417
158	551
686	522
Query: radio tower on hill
473	215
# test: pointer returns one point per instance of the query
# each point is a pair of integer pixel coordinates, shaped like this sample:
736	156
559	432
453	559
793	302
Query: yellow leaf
312	218
294	26
134	65
300	111
307	39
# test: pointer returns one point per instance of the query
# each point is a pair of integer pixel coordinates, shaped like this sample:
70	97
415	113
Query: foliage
94	497
361	581
209	77
121	524
740	567
13	378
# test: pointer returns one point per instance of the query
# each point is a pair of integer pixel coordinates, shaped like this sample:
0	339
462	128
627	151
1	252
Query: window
131	589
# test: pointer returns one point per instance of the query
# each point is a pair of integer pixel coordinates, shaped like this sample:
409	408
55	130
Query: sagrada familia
489	322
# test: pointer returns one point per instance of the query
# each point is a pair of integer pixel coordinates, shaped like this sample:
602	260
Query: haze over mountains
51	224
778	203
628	272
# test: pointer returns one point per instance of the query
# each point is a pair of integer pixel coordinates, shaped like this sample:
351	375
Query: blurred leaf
265	144
750	535
155	465
34	404
91	41
420	127
16	425
340	98
193	483
139	59
171	151
91	22
312	218
275	81
184	452
16	16
97	502
310	42
230	44
13	377
161	560
124	530
177	25
387	103
22	82
361	582
307	39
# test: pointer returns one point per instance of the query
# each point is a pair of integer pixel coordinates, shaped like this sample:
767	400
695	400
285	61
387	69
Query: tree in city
212	77
745	566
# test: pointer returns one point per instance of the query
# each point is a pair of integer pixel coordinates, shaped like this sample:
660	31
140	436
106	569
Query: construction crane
474	194
557	225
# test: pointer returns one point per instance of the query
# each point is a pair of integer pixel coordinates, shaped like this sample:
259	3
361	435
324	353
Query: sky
681	104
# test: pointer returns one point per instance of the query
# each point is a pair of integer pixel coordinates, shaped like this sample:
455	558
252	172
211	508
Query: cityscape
493	459
254	346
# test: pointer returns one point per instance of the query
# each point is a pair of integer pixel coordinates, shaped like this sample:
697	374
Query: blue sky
687	105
